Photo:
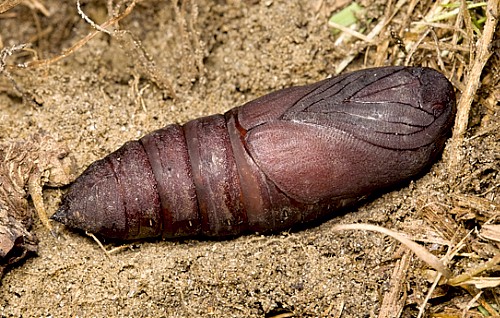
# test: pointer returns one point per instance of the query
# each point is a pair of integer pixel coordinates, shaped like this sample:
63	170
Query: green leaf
347	16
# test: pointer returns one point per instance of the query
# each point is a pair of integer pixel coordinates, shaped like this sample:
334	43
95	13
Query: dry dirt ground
171	62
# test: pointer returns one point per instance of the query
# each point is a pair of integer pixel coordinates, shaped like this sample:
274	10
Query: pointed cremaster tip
61	215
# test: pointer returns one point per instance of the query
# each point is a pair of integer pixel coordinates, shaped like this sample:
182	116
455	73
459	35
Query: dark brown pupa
286	158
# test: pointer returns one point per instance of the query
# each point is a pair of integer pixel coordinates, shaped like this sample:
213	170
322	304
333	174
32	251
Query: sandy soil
110	91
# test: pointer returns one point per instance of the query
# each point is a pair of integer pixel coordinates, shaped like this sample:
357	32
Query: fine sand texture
78	92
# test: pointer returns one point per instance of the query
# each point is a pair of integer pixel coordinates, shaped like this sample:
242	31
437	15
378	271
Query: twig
471	87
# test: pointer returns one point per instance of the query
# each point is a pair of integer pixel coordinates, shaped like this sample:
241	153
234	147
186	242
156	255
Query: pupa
287	158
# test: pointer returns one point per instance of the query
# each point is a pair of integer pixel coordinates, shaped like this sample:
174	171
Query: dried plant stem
477	297
394	300
82	42
462	279
88	20
98	243
420	251
35	189
471	87
351	32
421	310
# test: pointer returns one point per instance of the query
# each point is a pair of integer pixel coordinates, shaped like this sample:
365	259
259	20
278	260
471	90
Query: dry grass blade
484	282
488	309
8	4
421	310
351	32
472	86
101	246
491	232
420	251
466	277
